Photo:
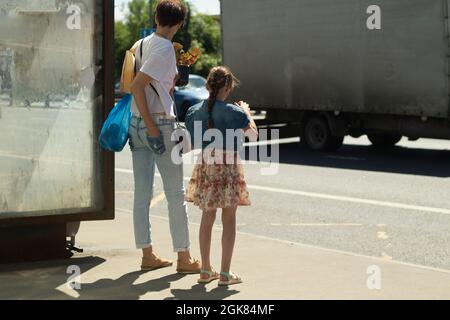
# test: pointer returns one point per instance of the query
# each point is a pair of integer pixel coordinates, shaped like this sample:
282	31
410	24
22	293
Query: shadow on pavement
39	280
124	288
198	292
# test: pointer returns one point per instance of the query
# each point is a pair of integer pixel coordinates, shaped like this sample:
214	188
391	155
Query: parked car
193	93
185	97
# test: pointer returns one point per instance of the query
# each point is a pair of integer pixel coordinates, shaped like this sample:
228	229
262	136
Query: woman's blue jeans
144	162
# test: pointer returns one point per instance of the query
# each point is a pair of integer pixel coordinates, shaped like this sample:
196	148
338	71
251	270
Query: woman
152	126
218	178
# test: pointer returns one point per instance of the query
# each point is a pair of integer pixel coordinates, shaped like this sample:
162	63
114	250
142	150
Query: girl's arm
252	130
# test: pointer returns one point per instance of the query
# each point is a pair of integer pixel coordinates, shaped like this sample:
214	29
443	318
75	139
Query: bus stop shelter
56	89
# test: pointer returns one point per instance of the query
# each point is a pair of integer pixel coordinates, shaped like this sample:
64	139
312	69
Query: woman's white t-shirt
159	63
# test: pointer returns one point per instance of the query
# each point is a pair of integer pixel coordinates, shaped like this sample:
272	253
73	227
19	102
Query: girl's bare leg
206	226
228	237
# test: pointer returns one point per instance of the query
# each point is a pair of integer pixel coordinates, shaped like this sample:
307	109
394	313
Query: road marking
335	197
352	199
385	258
4	154
157	199
124	192
272	142
382	235
51	48
127	171
316	225
37	158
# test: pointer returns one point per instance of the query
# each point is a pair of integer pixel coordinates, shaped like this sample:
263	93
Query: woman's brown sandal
154	263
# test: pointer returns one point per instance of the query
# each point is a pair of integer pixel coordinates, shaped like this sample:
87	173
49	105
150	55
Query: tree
205	31
200	30
122	42
127	32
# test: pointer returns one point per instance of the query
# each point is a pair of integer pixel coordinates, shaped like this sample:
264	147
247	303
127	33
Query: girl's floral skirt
218	181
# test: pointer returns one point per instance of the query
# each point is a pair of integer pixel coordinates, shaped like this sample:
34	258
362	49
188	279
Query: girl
218	178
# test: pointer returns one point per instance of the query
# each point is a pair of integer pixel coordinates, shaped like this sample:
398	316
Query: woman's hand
153	132
175	80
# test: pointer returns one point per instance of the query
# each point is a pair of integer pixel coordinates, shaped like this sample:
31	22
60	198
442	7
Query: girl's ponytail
219	77
211	102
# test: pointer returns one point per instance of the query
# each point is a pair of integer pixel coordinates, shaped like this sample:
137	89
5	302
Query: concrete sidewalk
271	269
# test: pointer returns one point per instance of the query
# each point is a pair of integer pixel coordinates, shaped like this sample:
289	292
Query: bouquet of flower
184	61
188	58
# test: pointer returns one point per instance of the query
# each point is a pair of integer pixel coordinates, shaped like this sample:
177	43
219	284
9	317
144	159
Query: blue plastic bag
114	134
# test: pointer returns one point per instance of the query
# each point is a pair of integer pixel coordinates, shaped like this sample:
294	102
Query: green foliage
200	30
207	61
206	34
122	42
127	32
206	30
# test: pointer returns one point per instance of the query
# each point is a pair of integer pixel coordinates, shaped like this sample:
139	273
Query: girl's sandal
212	275
231	279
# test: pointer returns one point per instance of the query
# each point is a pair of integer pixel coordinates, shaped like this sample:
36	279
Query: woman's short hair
170	13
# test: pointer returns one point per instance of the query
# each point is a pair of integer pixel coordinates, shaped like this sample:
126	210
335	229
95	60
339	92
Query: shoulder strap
141	46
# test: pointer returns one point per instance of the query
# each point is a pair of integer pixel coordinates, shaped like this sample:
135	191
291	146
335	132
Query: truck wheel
318	136
384	140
